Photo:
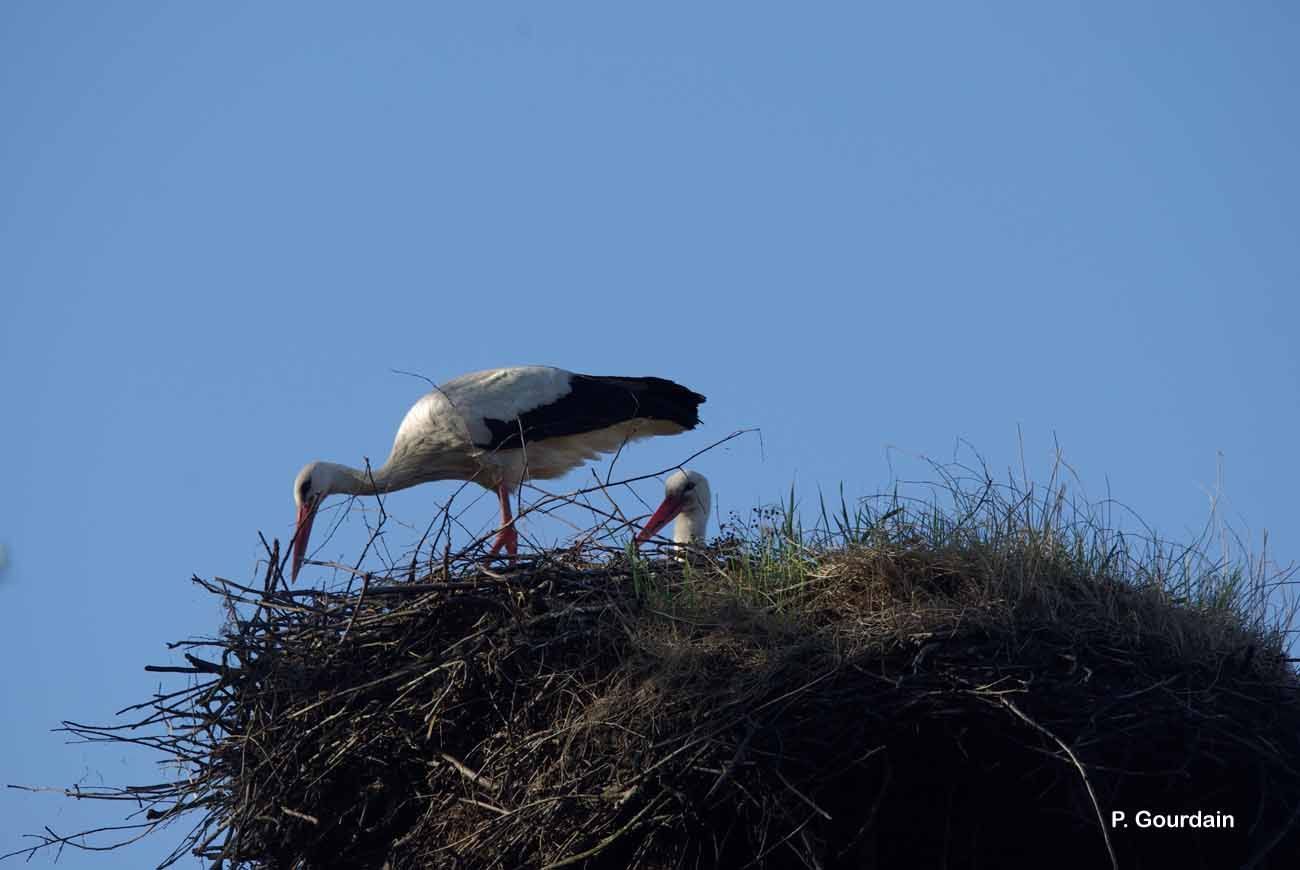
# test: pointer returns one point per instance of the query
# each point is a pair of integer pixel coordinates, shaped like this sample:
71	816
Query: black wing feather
596	402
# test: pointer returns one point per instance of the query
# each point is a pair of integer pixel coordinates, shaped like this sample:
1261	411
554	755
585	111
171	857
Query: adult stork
686	498
500	427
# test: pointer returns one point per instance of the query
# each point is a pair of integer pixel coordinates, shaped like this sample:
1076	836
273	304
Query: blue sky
870	230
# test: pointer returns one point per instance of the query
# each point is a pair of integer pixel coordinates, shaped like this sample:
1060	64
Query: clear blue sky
856	226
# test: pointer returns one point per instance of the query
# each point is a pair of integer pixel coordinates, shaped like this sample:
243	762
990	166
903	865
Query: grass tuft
973	673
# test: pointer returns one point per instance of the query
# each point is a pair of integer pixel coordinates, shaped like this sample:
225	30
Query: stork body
686	500
500	427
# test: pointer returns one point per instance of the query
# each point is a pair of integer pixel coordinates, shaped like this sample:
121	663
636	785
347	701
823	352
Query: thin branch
1083	774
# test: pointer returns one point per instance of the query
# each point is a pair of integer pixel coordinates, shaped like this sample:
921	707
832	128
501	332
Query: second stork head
686	499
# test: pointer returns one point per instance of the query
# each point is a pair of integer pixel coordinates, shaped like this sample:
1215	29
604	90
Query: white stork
500	427
686	497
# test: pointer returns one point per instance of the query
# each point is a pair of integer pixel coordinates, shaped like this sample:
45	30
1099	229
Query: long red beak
306	514
670	508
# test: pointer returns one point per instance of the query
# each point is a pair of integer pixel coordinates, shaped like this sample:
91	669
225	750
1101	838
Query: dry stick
445	513
272	565
606	516
424	378
473	776
77	792
803	797
605	843
1092	795
617	512
297	815
1263	851
697	453
464	553
519	493
867	825
609	474
49	838
383	515
197	666
356	608
201	849
283	561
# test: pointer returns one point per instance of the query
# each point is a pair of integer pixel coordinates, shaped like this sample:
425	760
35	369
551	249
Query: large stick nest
895	702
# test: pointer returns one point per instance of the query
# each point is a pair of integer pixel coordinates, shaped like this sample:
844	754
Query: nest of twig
898	701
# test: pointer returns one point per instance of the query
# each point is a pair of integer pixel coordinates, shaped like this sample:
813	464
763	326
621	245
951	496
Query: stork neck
688	528
355	481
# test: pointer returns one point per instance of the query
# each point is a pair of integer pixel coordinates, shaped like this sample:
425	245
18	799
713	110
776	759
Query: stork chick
686	499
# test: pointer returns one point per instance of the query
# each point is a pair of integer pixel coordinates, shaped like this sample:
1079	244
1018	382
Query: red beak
306	514
670	508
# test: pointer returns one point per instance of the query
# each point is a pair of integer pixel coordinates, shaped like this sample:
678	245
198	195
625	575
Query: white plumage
686	499
500	427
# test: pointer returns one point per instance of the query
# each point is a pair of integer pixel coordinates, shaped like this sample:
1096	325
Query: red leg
508	536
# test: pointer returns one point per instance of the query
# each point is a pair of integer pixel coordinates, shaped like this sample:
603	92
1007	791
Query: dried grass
973	684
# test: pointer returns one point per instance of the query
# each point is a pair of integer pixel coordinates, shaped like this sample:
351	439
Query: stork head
686	498
312	484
